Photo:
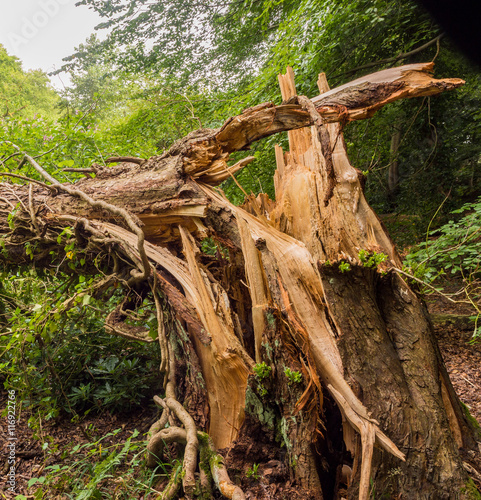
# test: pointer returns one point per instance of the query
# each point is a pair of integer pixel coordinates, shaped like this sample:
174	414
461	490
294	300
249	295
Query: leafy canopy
24	93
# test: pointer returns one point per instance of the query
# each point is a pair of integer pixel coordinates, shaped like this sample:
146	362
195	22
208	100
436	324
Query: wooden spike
279	159
322	84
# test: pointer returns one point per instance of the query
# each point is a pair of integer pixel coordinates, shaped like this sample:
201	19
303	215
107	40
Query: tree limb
394	59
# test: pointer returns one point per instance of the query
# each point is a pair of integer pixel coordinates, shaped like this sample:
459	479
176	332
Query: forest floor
47	443
463	359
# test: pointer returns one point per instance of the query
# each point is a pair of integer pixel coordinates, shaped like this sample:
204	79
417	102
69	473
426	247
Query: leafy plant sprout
293	377
253	472
262	370
371	259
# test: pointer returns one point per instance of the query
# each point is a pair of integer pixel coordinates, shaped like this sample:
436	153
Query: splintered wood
320	200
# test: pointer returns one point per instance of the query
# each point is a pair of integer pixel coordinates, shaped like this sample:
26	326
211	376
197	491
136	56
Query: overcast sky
41	32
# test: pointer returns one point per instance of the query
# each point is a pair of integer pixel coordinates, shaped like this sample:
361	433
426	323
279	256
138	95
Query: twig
447	297
469	382
8	202
16	196
130	159
16	176
39	169
191	108
228	170
438	47
397	58
3	162
85	171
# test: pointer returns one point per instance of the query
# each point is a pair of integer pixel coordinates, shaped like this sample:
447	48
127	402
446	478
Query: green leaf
32	481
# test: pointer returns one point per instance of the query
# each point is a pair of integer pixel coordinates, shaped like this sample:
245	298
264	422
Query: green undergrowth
111	467
60	359
452	253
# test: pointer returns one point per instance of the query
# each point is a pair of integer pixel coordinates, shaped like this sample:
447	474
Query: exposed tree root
211	464
218	470
115	325
194	442
144	269
173	486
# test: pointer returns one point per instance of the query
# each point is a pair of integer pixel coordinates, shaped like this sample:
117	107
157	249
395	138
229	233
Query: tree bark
303	355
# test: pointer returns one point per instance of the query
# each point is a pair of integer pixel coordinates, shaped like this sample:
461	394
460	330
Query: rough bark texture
390	328
331	380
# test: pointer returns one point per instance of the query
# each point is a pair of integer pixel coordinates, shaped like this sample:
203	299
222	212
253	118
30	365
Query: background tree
23	93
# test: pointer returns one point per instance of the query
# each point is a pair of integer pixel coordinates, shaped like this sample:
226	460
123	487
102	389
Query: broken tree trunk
367	309
305	329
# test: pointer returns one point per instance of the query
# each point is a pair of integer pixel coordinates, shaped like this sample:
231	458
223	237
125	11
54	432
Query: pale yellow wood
287	84
322	83
347	224
304	295
257	286
224	369
453	421
225	364
279	159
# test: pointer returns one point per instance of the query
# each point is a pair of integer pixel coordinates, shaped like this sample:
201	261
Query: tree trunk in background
393	171
300	351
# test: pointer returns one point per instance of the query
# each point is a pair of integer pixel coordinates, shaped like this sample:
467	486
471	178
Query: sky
42	32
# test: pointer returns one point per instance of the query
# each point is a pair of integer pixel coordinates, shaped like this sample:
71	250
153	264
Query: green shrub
454	247
262	370
63	359
293	376
452	250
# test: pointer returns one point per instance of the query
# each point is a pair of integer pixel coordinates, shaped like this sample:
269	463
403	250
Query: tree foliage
23	93
237	48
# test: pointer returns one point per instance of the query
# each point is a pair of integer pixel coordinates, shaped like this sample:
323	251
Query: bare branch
394	59
129	159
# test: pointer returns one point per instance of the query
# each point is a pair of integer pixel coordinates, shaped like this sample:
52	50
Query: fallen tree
306	351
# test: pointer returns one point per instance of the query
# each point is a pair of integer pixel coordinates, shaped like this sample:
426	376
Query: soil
462	359
461	353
